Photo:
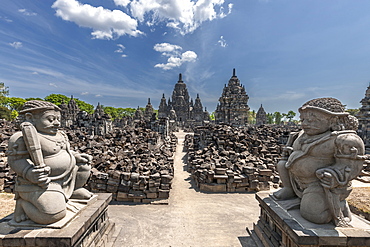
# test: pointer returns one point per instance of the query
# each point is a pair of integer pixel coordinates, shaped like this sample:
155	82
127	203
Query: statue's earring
29	117
335	125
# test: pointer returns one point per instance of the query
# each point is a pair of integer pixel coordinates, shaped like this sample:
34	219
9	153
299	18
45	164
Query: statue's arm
349	159
20	161
18	157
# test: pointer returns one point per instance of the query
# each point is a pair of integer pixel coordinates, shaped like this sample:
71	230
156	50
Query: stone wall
230	159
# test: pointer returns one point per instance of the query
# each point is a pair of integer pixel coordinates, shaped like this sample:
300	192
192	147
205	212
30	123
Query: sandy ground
192	218
7	203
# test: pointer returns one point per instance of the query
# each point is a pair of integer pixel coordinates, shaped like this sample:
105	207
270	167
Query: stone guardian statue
319	162
48	172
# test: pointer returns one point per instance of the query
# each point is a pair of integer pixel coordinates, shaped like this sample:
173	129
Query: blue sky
122	52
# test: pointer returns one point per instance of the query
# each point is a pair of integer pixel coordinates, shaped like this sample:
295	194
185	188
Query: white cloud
98	95
53	85
183	15
120	50
34	73
16	44
26	12
123	3
222	42
6	19
106	24
84	93
175	57
167	49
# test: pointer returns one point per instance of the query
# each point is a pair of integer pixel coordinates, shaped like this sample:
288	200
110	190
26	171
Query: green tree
129	112
14	103
4	92
277	117
270	118
60	98
28	99
353	112
112	111
5	113
290	115
212	116
84	106
57	99
252	117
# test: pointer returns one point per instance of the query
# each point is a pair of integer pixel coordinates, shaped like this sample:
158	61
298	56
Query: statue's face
314	122
47	122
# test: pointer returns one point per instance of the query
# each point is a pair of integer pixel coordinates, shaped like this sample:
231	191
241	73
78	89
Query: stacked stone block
134	164
230	159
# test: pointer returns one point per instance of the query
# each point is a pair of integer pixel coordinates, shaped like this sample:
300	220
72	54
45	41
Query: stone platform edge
280	227
89	228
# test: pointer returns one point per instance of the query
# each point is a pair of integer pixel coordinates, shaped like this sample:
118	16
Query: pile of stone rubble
134	164
230	159
6	174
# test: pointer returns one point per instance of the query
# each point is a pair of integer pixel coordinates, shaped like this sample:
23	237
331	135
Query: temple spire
148	101
234	72
180	77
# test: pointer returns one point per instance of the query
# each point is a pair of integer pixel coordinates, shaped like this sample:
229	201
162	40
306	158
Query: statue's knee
315	209
51	203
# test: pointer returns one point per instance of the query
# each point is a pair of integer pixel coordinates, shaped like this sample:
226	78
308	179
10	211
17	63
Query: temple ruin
233	107
261	116
363	118
181	108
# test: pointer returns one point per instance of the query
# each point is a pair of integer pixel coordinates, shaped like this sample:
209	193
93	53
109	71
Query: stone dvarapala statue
319	162
48	172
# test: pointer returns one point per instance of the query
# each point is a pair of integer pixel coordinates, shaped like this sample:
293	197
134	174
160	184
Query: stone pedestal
278	226
89	227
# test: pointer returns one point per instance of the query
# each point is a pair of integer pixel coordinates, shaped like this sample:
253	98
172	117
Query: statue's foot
19	214
81	193
284	193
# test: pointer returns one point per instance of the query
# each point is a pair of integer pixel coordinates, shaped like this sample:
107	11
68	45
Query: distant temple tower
233	107
261	116
69	112
187	114
180	101
148	113
364	118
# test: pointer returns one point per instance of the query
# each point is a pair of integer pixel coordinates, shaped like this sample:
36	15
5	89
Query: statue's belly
59	163
304	169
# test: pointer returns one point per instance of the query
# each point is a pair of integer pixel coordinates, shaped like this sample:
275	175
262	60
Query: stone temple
363	118
261	116
181	108
233	107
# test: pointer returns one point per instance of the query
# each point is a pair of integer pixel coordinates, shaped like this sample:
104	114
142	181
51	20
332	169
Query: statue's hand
39	175
83	158
327	177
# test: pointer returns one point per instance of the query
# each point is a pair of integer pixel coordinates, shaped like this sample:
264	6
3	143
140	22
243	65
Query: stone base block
90	227
212	187
278	226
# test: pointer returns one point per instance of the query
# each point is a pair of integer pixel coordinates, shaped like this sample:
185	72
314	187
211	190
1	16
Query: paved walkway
191	218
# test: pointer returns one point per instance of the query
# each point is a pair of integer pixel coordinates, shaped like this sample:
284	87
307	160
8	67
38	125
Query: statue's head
325	114
45	116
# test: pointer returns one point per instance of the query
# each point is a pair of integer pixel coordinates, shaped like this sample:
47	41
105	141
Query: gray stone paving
191	218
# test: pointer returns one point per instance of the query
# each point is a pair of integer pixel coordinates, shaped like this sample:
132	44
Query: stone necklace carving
60	142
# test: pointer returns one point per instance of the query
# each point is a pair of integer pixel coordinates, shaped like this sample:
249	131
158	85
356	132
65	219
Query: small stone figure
48	172
319	162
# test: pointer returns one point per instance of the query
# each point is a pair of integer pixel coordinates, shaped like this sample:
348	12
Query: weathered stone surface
243	156
319	162
91	228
